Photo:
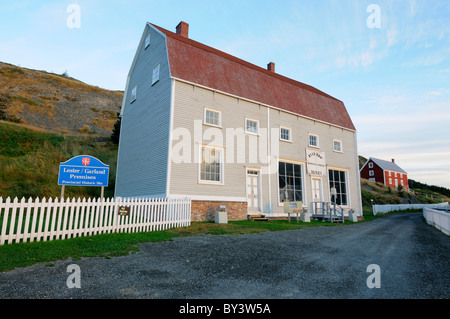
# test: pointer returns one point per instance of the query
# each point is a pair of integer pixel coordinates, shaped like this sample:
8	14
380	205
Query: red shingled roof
197	63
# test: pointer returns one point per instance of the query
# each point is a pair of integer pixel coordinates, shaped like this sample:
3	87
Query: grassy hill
29	162
56	103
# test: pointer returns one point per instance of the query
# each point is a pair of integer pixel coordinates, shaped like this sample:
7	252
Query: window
211	168
285	134
372	179
313	140
338	180
212	117
290	182
133	94
337	146
251	126
370	165
155	76
147	41
371	173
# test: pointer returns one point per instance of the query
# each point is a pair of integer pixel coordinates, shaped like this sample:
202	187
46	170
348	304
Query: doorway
253	191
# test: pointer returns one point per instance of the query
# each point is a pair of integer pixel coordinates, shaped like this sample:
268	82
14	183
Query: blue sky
394	77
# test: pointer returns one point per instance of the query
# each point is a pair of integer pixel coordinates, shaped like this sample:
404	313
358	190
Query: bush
116	131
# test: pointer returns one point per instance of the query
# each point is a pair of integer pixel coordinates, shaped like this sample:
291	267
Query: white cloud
392	37
439	92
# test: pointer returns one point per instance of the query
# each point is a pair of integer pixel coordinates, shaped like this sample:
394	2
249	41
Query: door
317	198
317	190
253	191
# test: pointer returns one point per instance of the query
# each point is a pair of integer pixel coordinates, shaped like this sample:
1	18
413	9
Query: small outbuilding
387	173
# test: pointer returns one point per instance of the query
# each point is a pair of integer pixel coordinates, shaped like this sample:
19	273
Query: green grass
17	141
105	245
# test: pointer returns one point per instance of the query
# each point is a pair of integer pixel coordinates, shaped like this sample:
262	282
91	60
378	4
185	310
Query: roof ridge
390	164
228	56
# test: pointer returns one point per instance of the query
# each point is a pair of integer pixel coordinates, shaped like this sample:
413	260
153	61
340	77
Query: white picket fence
45	220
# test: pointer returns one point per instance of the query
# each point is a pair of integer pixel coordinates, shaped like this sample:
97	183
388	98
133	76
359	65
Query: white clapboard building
201	123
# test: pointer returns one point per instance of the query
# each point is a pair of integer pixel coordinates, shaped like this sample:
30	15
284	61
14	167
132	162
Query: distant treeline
438	189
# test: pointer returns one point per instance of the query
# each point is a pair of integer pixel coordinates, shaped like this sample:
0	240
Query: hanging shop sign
315	163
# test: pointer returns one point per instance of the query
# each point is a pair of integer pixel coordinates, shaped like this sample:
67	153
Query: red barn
385	172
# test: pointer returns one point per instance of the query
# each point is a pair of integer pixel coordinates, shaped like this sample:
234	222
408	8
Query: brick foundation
206	210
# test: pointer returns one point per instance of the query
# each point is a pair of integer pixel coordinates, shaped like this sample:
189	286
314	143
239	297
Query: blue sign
83	170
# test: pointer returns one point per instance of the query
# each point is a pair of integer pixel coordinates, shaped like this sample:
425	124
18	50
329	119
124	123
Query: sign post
83	170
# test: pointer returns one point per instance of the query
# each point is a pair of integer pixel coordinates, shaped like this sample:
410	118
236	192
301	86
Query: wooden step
257	217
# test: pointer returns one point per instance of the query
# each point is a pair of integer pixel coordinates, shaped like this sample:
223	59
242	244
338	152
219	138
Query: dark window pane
297	172
281	168
289	169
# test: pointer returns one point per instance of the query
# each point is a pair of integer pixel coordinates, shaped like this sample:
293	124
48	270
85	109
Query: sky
388	61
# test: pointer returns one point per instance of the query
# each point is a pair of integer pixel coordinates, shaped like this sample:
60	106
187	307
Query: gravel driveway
319	262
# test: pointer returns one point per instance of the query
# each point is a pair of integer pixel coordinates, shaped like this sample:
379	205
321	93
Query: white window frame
302	177
133	94
257	126
290	134
341	150
209	182
371	173
370	165
317	140
155	68
213	111
147	41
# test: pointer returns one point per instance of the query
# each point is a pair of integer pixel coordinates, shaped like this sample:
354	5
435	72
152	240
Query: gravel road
310	263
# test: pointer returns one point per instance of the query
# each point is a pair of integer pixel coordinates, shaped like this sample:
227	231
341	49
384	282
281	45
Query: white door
253	191
317	190
316	185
